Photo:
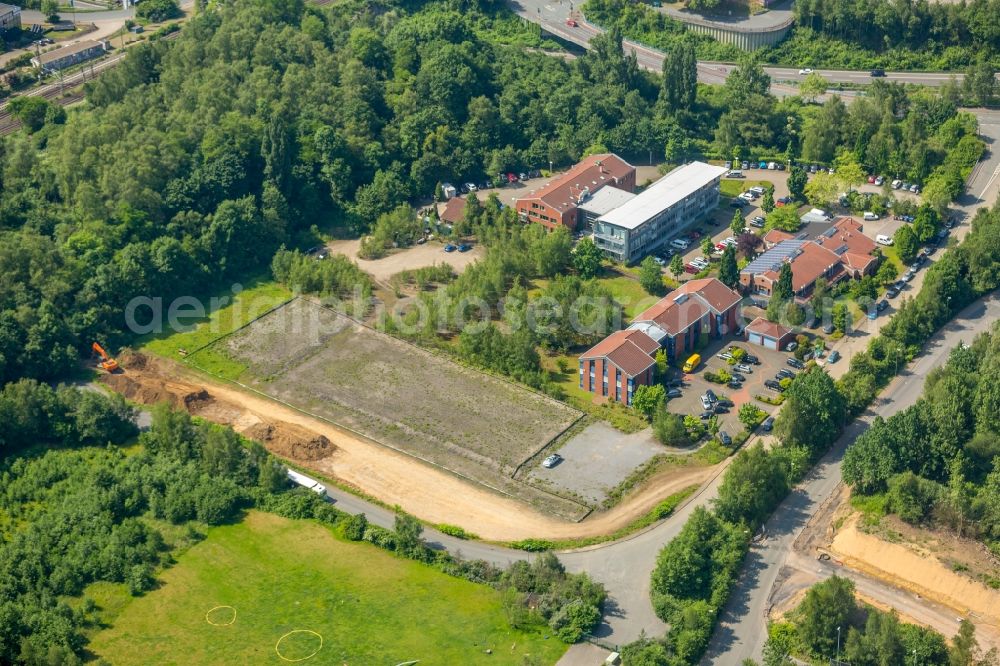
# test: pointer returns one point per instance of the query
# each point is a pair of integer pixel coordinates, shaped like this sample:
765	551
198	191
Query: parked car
783	373
674	393
464	247
909	275
806	70
737	376
896	184
773	385
882	305
833	357
691	268
828	329
877	72
949	224
737	203
706	415
892	292
710	394
449	248
552	461
571	23
725	356
523	176
660	260
745	165
767	424
791	346
471	187
725	438
879	180
795	363
743	367
751	359
735	385
720	409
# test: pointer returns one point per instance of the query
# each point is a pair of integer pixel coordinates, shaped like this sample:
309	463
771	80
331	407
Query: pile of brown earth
291	441
144	381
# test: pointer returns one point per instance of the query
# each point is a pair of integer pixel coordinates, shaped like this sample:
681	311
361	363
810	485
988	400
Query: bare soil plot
469	423
418	256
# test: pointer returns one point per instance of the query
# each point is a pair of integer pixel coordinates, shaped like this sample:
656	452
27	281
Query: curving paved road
552	15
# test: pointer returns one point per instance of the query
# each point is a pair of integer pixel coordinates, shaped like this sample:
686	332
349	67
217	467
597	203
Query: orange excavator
108	363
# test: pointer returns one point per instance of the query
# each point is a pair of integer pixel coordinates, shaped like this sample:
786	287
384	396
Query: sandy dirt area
418	256
917	569
394	478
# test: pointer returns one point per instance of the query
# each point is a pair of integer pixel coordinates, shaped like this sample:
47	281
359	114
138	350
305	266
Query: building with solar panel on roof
841	252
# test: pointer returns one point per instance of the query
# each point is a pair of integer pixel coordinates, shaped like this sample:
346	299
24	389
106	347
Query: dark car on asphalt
773	385
737	376
892	292
767	424
725	438
674	393
784	372
878	72
795	363
735	384
751	359
721	409
882	305
704	416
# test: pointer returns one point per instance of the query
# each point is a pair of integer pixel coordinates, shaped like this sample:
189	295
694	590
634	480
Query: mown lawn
731	187
258	297
280	575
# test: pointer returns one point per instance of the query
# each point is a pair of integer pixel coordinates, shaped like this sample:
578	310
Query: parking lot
597	459
695	384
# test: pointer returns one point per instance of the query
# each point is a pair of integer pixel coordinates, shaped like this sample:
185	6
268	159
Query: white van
882	239
735	173
679	244
870	216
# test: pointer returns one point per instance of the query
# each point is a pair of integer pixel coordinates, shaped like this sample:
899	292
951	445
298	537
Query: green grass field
731	187
258	297
280	575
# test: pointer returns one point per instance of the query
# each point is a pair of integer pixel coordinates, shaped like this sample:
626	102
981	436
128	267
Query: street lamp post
838	645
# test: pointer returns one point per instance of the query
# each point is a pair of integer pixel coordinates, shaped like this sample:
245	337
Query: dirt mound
133	360
291	441
148	391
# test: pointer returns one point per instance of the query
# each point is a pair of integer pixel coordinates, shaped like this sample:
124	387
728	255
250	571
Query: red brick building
617	365
839	253
678	320
555	203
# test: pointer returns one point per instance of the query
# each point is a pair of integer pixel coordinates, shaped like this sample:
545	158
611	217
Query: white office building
660	213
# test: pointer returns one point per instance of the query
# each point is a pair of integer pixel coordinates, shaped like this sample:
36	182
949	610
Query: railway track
64	92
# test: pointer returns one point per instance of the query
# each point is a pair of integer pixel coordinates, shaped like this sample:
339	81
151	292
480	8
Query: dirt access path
394	478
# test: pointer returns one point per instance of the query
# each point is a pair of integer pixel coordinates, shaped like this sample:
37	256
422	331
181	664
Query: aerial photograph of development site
514	332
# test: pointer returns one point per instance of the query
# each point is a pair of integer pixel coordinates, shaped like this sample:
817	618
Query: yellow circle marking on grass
220	624
299	631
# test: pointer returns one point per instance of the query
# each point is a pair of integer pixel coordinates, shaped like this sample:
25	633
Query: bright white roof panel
673	188
650	329
605	200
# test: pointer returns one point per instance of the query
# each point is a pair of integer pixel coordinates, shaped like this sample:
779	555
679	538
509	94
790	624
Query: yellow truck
692	362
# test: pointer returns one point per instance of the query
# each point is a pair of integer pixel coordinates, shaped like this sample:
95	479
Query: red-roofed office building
617	365
556	203
675	324
839	253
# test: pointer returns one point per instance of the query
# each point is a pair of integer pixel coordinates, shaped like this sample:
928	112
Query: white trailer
306	482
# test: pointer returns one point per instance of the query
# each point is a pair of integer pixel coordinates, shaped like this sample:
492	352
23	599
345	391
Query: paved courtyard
598	458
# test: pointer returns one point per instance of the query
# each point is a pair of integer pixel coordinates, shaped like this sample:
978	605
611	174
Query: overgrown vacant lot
282	575
426	405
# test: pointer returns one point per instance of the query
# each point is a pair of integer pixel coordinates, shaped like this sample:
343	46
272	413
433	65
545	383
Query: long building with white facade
659	213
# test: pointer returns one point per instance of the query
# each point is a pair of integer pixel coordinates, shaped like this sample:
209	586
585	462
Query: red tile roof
630	350
592	173
767	328
847	232
454	210
775	236
674	314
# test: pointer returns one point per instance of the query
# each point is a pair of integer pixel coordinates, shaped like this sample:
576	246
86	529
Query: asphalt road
553	14
742	630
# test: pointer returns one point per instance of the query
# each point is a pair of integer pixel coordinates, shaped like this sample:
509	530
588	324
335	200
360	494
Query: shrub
455	531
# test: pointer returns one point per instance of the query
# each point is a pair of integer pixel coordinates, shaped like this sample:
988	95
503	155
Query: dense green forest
197	158
935	463
867	636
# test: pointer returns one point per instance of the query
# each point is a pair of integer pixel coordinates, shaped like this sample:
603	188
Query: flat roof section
673	188
605	200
